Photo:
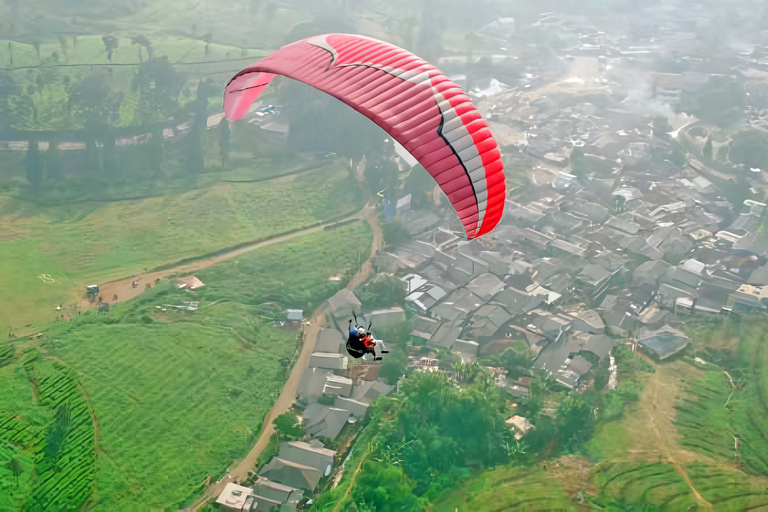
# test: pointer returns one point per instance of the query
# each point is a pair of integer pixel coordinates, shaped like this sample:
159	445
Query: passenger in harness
361	342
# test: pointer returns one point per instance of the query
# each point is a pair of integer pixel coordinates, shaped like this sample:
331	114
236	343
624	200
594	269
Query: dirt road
288	393
125	290
657	411
283	404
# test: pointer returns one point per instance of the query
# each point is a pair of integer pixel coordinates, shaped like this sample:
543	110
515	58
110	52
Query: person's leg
379	348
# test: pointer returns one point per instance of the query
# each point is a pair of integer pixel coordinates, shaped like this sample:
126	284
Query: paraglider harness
355	345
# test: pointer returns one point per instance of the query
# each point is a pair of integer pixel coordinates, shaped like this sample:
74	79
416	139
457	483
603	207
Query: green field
738	345
47	451
703	419
79	243
508	488
177	396
674	448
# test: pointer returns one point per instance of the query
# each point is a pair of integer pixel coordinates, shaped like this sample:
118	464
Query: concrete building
236	497
328	361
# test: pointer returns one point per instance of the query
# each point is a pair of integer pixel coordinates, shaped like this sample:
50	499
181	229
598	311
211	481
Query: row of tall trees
91	111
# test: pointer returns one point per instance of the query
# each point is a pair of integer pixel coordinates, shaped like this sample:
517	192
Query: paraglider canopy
406	96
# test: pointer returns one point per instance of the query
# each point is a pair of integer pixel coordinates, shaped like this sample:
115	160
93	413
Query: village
618	226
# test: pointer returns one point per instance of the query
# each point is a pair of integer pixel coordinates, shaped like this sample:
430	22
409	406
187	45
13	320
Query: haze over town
178	287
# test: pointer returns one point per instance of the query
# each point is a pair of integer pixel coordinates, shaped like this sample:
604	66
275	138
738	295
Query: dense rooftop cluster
625	212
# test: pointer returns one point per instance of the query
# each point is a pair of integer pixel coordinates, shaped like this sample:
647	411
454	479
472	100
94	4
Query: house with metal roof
663	342
323	420
330	340
313	382
306	454
357	408
368	391
275	497
343	303
291	474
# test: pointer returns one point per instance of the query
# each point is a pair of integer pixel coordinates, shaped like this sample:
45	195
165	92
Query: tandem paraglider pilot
361	342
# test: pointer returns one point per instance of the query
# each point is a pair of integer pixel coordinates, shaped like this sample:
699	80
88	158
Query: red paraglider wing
407	97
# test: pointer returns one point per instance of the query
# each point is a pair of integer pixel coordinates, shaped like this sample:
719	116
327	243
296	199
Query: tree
320	122
429	44
158	85
575	421
143	41
154	152
394	365
16	468
512	360
33	165
110	161
707	151
53	160
421	185
394	233
661	127
207	38
287	427
194	140
384	487
63	44
720	101
110	45
384	291
8	89
96	106
224	135
750	148
380	171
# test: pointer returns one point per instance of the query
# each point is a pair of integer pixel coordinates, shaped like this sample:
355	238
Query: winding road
125	290
288	393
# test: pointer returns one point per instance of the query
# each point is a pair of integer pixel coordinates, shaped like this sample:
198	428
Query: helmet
361	331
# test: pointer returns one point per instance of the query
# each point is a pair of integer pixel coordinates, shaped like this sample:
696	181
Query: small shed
190	283
235	497
294	315
520	426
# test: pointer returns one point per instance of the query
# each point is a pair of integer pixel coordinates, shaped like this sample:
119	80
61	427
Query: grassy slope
21	421
680	427
46	436
80	243
179	396
508	488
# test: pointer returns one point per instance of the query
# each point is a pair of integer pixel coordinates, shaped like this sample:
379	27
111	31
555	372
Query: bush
384	291
628	362
395	234
326	399
511	360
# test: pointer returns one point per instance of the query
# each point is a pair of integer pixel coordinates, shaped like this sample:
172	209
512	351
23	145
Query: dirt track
124	290
288	393
657	411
